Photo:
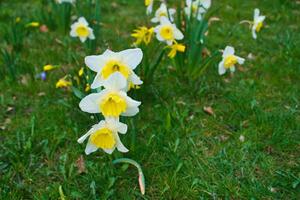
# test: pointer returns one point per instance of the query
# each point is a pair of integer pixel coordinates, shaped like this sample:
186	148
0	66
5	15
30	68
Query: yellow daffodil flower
112	101
229	60
63	83
104	135
82	30
143	34
167	32
257	23
174	48
110	62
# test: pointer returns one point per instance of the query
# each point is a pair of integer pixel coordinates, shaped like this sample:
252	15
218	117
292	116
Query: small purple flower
42	75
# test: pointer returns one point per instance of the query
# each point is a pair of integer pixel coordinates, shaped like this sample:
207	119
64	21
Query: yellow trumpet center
103	138
82	31
113	105
113	66
230	61
167	32
259	26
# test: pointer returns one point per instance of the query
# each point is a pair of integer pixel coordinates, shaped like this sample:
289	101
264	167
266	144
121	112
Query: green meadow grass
185	153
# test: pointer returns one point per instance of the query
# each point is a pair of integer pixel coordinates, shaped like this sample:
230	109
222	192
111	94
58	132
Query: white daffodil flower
65	1
257	23
197	8
229	60
149	5
163	11
82	30
111	101
109	62
104	135
167	32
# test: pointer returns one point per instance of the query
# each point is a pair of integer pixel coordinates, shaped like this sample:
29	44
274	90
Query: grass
185	153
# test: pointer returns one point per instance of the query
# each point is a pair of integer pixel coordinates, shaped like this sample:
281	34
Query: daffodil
167	32
197	8
33	24
257	23
229	60
112	101
149	5
110	62
65	1
63	83
82	30
104	135
174	48
49	67
163	11
143	34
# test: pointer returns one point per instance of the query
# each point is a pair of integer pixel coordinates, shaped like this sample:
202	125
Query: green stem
140	171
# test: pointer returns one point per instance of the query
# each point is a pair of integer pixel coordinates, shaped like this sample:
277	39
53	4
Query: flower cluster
114	75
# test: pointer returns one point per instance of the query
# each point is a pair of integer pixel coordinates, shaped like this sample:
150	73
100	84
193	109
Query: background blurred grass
185	153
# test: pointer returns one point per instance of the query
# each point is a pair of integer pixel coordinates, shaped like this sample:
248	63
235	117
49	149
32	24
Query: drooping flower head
257	23
113	100
163	11
175	48
104	135
143	34
197	8
110	62
229	60
149	5
82	30
63	83
167	32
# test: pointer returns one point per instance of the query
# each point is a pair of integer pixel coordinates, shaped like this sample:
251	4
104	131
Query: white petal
222	69
109	151
155	20
115	82
131	57
132	103
73	33
254	33
135	79
120	145
90	102
240	60
256	13
131	111
205	3
177	34
82	39
98	81
83	21
164	21
122	128
91	35
82	138
95	63
228	51
90	148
